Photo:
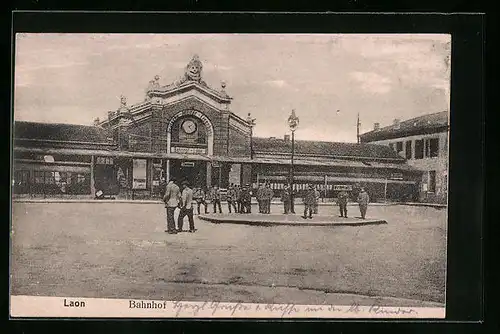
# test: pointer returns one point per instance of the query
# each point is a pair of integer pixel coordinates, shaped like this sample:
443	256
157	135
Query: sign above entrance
344	187
188	150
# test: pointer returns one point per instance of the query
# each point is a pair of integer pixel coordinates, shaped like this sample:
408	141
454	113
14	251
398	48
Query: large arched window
183	134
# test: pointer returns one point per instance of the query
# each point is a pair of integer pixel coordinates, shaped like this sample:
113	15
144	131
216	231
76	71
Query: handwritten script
221	309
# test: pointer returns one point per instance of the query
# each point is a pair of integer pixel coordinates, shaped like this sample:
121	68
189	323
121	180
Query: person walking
363	200
171	199
285	198
231	198
342	200
317	196
246	199
309	200
186	208
215	197
200	196
260	197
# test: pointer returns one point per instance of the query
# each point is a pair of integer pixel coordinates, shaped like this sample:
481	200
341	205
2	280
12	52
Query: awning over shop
310	178
199	157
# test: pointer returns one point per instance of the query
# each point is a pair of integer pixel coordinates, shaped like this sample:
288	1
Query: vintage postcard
230	175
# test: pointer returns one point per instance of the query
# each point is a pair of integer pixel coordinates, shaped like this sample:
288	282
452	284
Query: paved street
120	250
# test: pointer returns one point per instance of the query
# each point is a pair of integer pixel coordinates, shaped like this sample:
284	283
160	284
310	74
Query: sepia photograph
230	175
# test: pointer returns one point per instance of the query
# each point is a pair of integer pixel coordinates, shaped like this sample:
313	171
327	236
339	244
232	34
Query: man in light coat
186	208
171	199
363	200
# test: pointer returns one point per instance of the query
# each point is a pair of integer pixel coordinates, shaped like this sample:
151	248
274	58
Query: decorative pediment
192	79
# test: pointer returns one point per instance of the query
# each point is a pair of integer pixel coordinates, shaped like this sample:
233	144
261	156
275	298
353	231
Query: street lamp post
293	123
251	122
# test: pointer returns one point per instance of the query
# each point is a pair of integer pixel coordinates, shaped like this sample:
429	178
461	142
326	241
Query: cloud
372	82
276	83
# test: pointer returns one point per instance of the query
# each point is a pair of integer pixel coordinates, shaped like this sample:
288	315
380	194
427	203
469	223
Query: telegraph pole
358	124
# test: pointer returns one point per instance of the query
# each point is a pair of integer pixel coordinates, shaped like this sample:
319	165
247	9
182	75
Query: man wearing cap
171	199
285	198
309	200
186	208
342	200
363	200
231	198
246	199
260	197
267	196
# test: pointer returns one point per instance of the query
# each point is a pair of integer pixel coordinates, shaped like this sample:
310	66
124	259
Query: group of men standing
264	196
182	199
239	200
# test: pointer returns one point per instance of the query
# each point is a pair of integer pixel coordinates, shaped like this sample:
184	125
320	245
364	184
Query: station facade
187	130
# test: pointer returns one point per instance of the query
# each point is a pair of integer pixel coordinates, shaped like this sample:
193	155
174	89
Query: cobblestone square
120	250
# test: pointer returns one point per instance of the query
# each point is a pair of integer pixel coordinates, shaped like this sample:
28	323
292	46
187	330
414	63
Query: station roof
430	123
326	149
60	132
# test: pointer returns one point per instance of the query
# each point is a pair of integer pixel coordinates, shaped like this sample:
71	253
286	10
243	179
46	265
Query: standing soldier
260	197
309	200
171	199
215	198
363	200
237	192
342	200
246	199
317	196
267	198
231	198
200	196
285	198
186	208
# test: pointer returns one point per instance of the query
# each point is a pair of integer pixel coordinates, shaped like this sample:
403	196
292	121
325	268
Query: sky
327	78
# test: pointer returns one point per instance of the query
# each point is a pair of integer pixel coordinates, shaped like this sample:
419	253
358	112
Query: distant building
187	130
423	142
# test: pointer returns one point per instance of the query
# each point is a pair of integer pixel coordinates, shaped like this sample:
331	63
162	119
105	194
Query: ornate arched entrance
191	133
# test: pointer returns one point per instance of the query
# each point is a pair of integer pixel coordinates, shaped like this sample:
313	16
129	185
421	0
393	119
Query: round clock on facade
189	126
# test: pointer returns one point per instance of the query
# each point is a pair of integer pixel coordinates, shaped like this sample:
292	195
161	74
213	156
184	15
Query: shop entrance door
193	171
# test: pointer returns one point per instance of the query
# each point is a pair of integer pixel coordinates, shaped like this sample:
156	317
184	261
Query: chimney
96	121
286	138
376	126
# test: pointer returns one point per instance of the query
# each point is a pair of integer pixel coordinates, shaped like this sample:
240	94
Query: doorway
193	171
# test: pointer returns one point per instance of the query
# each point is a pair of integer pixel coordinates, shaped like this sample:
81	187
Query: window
39	176
432	181
391	145
419	149
431	147
408	150
399	146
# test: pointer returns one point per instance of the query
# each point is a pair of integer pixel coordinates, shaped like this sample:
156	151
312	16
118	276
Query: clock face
189	126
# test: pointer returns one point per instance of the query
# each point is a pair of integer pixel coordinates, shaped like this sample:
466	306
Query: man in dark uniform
231	198
215	197
285	198
267	196
260	197
246	199
237	193
342	200
200	196
309	199
363	200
